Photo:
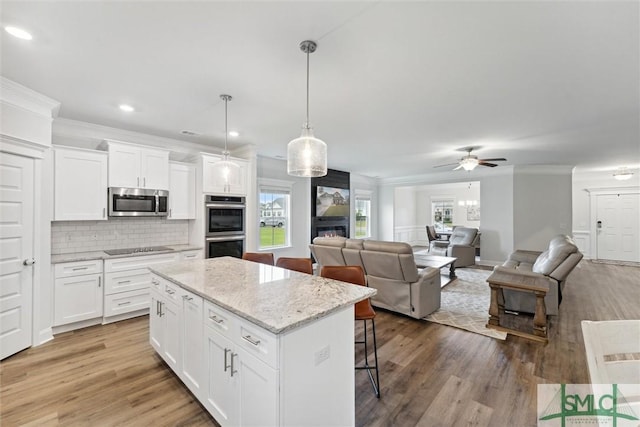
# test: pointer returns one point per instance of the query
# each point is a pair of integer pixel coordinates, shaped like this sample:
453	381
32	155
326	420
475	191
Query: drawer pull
187	297
123	282
79	268
216	319
252	340
170	291
124	303
226	350
155	282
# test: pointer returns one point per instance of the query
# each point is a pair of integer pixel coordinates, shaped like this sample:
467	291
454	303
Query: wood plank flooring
431	374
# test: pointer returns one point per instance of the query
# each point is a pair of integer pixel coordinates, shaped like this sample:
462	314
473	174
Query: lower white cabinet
245	375
77	292
127	281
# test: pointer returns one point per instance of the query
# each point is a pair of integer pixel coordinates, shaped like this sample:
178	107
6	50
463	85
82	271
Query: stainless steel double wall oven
225	220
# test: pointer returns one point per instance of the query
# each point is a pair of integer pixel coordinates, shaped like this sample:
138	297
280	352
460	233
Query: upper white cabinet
80	184
135	166
218	179
182	191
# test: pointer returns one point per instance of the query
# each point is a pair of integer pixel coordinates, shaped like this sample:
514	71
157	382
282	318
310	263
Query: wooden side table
500	280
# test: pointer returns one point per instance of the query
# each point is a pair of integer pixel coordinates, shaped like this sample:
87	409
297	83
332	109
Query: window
363	214
442	214
275	203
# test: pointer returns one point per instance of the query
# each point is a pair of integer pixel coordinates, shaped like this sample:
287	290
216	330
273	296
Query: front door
618	227
16	249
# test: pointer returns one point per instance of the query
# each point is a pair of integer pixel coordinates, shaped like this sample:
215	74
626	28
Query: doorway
618	227
16	245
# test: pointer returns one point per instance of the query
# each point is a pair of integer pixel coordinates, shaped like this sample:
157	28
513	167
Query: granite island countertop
273	298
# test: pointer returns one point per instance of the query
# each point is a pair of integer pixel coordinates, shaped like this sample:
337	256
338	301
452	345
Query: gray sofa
389	268
554	264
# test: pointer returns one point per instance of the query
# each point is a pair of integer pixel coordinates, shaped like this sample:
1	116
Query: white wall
542	205
370	185
496	202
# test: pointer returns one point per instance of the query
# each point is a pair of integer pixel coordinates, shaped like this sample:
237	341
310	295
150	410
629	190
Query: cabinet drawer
126	302
218	319
143	261
77	268
170	292
189	255
260	343
127	281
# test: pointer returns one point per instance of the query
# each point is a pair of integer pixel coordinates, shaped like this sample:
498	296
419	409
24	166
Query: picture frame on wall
473	213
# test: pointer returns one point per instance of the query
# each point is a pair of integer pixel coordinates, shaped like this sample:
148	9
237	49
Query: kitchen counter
88	256
273	298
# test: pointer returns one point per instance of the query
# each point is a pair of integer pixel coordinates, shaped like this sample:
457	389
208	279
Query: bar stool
261	257
363	311
303	265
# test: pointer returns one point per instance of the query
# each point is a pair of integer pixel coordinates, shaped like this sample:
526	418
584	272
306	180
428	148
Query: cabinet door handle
77	268
233	371
124	303
250	339
216	319
170	213
170	291
99	281
161	313
123	282
187	297
155	282
104	212
226	350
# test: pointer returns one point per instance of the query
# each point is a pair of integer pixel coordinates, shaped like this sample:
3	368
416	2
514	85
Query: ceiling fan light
307	155
469	164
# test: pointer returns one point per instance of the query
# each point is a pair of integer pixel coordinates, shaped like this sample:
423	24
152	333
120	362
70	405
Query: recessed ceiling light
127	108
234	134
18	32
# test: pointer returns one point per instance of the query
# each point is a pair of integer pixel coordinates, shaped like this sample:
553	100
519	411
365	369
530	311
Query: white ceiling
396	87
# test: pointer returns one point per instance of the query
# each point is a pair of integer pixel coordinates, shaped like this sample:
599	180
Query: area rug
465	304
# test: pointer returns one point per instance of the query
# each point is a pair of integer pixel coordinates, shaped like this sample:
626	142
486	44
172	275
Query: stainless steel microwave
138	202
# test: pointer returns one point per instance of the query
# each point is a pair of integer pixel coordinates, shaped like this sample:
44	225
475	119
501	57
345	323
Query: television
331	201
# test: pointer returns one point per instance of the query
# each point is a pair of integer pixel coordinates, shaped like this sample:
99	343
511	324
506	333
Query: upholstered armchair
461	245
554	265
435	242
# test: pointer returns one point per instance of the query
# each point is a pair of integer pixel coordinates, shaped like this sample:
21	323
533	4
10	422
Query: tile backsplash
116	233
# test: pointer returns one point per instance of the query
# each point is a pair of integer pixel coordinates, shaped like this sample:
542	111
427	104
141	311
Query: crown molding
28	99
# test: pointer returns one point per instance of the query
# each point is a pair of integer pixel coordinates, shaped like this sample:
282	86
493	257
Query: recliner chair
461	245
554	264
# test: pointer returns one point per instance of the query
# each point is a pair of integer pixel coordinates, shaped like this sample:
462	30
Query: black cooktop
128	251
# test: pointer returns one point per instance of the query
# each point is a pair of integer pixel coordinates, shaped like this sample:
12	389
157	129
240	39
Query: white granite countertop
273	298
88	256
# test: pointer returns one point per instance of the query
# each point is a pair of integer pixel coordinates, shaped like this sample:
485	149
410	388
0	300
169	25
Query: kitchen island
256	344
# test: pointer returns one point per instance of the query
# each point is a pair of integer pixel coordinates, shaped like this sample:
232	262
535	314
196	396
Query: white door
16	249
618	229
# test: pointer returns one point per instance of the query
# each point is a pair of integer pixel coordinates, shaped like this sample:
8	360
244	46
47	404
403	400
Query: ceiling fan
469	162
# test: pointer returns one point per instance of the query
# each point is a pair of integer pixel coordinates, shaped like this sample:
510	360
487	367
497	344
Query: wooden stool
500	280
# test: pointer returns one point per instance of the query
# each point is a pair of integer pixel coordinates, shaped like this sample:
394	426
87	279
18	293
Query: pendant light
307	155
225	164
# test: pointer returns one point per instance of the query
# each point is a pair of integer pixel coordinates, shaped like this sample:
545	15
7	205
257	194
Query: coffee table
438	262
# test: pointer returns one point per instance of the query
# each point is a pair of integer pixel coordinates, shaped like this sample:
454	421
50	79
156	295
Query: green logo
565	405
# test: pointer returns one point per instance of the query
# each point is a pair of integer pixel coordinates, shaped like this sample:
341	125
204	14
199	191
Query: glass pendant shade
225	165
469	164
307	155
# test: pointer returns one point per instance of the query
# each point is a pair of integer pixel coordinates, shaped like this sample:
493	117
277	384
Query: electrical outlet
322	355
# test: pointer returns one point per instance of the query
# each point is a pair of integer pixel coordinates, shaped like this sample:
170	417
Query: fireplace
330	227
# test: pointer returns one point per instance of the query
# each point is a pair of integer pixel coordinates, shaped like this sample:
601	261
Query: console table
539	286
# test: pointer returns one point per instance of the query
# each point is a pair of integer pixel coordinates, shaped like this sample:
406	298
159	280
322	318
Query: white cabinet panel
182	191
220	398
224	180
126	302
80	184
192	329
77	298
135	166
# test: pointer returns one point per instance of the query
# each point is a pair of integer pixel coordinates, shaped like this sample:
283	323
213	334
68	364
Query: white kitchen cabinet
136	166
242	382
191	332
78	292
127	282
182	191
80	184
223	180
164	328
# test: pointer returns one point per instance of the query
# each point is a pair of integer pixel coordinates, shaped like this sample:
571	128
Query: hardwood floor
431	375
